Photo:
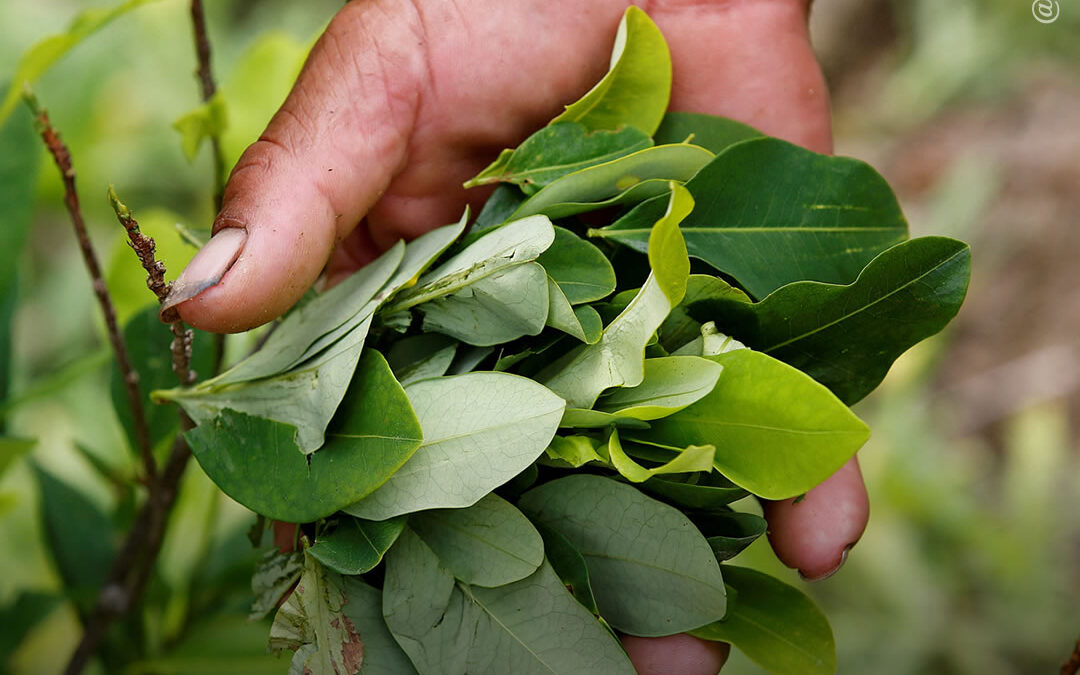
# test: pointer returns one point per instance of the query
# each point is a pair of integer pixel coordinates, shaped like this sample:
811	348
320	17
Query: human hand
399	103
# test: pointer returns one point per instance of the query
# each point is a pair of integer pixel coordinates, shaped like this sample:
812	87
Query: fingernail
205	270
829	573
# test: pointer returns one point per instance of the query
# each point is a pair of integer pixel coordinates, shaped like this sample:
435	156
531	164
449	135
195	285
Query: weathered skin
402	101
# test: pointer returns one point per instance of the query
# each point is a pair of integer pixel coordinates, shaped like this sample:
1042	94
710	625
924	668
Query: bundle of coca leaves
510	438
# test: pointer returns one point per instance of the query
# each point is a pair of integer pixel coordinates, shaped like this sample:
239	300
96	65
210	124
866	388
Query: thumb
322	163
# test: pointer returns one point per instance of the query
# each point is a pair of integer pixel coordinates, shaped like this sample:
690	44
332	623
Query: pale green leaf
506	305
670	384
419	357
652	572
581	322
480	430
581	269
312	622
209	120
581	418
774	624
530	626
637	87
636	177
41	56
275	575
487	544
617	359
382	655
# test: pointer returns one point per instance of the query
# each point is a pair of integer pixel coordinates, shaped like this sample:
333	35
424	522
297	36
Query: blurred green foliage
970	564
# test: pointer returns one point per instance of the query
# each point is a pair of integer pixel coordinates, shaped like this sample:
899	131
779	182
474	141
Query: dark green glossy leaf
652	572
582	270
79	536
480	430
559	149
774	624
487	544
695	490
530	626
148	342
257	462
636	89
729	532
356	546
847	337
419	357
770	213
709	131
777	432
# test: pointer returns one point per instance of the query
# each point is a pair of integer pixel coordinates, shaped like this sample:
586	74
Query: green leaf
312	622
275	575
491	310
148	341
12	449
847	337
300	336
419	357
617	359
581	322
21	616
530	626
777	432
559	149
636	177
581	418
504	200
652	572
356	546
581	269
257	462
670	384
515	243
702	491
692	458
709	131
774	624
20	160
480	430
770	213
382	655
729	532
570	565
79	536
574	451
679	327
636	88
487	544
209	120
41	56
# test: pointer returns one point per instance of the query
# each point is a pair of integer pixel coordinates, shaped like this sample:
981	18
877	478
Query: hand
399	103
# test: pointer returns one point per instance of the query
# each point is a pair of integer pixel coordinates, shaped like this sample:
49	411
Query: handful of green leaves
512	439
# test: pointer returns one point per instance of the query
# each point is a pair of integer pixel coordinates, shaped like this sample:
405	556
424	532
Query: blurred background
971	110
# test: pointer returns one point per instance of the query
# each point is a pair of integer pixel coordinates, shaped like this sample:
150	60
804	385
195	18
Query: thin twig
62	157
208	89
1072	666
131	569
